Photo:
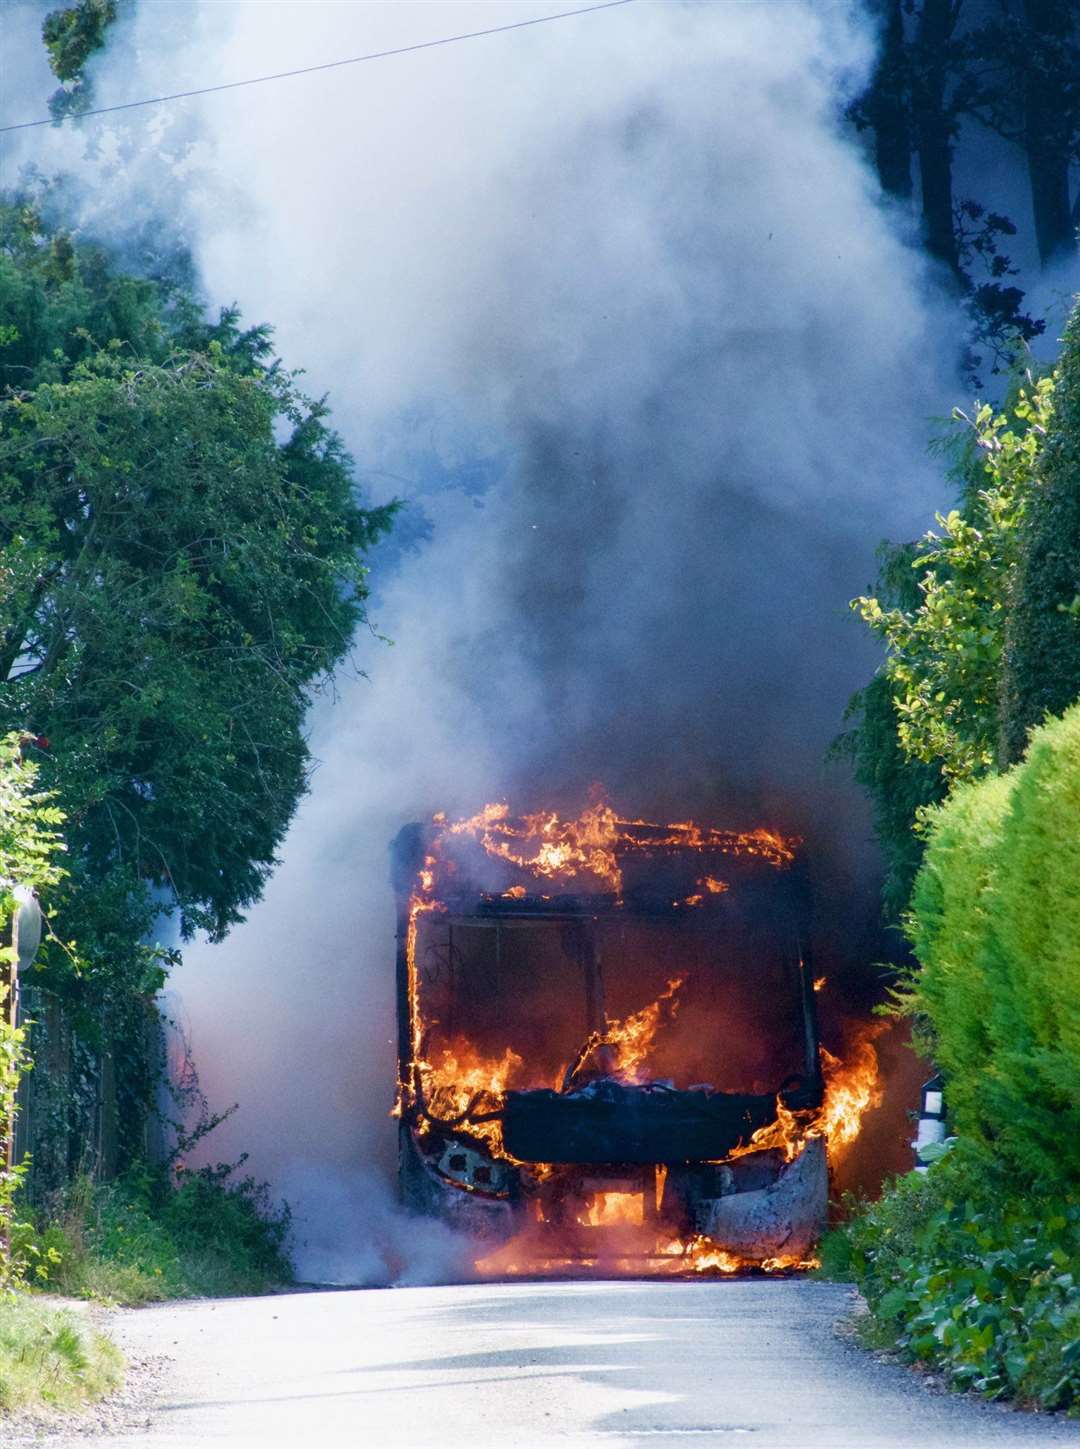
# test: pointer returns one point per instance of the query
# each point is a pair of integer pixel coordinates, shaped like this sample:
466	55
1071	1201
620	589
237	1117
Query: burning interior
608	1045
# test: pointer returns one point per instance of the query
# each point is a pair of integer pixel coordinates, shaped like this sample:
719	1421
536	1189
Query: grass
152	1236
52	1357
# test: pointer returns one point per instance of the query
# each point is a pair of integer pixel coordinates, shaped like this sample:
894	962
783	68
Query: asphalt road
484	1366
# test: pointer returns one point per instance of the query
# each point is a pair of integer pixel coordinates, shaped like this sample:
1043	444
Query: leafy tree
995	924
71	37
945	654
182	548
1042	640
898	785
1024	63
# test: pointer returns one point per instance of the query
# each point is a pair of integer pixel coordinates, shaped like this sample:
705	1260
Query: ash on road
537	1364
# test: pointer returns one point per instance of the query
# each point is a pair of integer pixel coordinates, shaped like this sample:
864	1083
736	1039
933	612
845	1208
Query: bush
964	1275
995	923
141	1239
50	1357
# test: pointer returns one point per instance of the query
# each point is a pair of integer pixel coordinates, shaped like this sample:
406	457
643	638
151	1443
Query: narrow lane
523	1365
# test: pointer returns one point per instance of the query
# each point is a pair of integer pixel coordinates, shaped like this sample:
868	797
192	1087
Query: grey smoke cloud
630	263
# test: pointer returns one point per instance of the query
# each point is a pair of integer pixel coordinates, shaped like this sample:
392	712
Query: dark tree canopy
182	552
948	73
1042	647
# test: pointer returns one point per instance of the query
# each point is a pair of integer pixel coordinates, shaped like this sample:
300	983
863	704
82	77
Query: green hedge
995	924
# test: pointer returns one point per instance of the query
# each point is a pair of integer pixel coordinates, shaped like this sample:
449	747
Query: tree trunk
887	107
934	128
1045	107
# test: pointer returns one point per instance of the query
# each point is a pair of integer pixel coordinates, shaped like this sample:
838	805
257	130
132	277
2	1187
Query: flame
819	983
852	1087
458	1087
633	1037
628	1247
616	1209
626	1044
788	1133
548	847
461	1084
563	848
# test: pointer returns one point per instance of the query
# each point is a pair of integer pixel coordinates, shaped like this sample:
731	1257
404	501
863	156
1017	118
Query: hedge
995	924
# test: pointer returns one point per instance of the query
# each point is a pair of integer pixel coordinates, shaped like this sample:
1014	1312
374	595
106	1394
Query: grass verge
52	1357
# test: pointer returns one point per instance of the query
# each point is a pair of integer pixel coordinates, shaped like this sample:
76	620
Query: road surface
543	1364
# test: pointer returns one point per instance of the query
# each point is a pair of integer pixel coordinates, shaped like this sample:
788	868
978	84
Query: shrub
142	1239
963	1274
995	923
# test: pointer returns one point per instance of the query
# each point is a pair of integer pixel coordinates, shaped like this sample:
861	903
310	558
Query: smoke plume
612	303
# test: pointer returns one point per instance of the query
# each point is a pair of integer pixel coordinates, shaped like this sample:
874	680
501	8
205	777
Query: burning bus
608	1044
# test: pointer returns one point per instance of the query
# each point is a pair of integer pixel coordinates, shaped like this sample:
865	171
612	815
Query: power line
328	65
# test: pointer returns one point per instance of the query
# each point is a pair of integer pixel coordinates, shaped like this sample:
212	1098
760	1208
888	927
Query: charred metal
608	1046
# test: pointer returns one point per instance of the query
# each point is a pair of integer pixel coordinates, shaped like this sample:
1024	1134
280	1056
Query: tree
948	70
1025	66
183	555
1042	640
899	786
945	654
71	37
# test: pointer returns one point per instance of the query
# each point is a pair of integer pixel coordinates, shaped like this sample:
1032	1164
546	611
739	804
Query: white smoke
612	301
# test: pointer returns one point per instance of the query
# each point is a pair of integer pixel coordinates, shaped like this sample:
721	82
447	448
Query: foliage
50	1357
71	37
157	1233
1042	641
181	544
29	845
899	788
963	1273
945	653
995	924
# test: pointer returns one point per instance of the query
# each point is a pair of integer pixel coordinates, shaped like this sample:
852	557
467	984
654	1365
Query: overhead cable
259	80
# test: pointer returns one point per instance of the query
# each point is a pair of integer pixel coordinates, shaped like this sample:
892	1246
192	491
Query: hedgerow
995	924
975	1267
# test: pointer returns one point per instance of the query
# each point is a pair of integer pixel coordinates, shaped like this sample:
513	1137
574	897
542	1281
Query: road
539	1364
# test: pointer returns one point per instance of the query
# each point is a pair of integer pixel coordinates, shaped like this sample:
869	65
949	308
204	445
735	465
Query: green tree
72	35
183	553
945	653
1042	640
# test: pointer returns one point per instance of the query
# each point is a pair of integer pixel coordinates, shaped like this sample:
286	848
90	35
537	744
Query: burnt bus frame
408	852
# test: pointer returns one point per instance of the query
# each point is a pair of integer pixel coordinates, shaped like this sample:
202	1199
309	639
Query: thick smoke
613	304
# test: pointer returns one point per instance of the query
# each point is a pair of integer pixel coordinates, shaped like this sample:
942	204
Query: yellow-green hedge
995	924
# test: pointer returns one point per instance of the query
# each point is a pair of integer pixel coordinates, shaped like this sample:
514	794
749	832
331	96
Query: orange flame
852	1087
627	1043
547	847
461	1081
616	1209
